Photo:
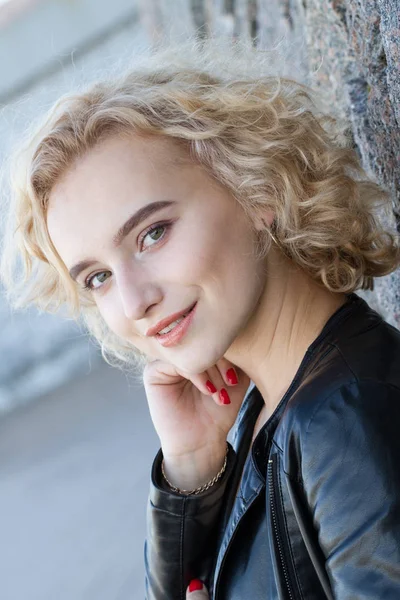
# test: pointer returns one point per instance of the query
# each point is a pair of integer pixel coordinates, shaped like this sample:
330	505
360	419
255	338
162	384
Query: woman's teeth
172	325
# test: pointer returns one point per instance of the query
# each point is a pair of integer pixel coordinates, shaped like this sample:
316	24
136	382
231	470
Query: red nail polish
231	376
224	396
195	585
211	387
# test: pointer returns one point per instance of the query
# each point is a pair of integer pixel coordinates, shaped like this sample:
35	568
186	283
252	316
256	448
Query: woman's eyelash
86	285
163	225
88	282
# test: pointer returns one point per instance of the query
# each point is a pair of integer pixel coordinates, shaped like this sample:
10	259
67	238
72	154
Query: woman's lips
174	336
168	320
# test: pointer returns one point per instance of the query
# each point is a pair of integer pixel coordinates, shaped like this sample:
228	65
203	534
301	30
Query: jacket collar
339	325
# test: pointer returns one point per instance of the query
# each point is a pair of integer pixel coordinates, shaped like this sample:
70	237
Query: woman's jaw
193	243
203	338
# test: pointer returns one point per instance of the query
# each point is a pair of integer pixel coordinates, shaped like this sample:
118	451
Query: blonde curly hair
262	136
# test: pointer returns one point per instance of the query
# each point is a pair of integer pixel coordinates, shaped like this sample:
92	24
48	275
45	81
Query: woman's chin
195	365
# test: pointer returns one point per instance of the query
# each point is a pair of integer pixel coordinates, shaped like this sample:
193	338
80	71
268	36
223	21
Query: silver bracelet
202	488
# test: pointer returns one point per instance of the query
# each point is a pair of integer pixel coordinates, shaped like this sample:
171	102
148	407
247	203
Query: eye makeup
164	226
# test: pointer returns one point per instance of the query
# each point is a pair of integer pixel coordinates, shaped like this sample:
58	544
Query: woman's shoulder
370	348
357	422
353	386
362	353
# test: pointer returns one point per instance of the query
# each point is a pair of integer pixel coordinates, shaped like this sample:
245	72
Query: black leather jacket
317	514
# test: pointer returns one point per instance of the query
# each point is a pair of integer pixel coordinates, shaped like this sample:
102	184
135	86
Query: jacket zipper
276	512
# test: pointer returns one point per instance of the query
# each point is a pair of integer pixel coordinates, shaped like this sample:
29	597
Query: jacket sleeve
182	532
351	478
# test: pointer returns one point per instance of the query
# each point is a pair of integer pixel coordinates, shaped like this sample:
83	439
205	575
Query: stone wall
349	50
355	44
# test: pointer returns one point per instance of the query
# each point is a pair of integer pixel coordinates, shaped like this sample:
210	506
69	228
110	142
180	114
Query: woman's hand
197	591
191	421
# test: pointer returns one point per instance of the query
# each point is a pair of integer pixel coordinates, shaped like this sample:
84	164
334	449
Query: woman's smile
172	334
174	237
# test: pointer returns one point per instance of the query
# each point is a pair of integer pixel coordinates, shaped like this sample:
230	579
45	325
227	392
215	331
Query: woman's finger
209	383
197	591
229	373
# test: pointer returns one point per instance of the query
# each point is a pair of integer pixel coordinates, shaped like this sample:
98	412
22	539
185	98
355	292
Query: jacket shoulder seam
344	360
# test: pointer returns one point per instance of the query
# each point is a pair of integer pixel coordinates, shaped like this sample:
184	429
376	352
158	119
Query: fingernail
195	585
211	387
232	377
224	396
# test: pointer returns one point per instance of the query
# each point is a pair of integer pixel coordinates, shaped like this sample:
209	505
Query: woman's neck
290	314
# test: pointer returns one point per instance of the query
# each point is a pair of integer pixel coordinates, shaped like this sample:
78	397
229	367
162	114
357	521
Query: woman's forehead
114	164
111	181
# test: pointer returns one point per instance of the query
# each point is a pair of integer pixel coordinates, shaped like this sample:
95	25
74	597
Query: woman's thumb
197	591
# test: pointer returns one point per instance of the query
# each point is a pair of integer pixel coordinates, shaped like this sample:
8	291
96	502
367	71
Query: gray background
47	49
74	466
74	478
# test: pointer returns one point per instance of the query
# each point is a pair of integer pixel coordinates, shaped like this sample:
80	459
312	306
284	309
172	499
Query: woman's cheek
111	311
114	316
189	262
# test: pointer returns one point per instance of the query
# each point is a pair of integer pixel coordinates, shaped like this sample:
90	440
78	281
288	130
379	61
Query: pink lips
176	334
167	321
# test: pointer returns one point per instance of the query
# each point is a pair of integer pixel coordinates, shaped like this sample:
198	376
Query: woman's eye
97	280
154	235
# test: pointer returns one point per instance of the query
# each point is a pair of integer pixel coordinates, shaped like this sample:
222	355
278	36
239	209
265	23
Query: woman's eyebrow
133	221
139	216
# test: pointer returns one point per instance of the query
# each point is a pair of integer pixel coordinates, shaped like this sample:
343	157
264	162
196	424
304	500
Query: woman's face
152	234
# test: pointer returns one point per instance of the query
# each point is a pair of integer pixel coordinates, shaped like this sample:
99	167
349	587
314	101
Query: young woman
212	226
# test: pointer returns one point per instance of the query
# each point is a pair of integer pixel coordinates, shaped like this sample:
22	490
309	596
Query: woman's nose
137	294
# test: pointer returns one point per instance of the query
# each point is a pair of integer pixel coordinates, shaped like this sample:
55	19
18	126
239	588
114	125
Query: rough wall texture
358	42
350	50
